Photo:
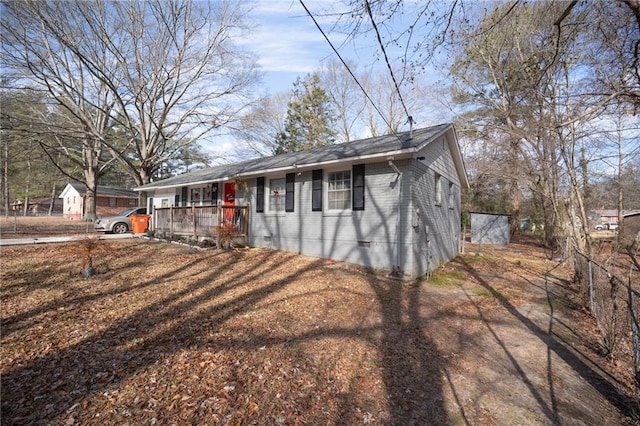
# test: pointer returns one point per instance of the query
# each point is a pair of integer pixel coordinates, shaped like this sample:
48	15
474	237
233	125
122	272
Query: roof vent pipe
410	120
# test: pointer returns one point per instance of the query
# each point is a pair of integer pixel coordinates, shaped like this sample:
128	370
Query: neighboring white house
389	202
109	201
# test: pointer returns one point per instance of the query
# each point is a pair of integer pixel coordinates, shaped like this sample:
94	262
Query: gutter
406	153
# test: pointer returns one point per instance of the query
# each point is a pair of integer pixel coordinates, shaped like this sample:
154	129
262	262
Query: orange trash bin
139	223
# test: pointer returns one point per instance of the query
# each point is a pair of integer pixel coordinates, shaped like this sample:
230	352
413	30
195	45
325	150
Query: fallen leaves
167	335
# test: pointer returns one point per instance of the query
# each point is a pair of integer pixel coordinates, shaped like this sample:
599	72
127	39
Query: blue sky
289	45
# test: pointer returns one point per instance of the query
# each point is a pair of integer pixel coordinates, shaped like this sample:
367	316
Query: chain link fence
615	305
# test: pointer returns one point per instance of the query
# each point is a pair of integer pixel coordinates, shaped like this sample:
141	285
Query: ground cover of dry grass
40	226
165	334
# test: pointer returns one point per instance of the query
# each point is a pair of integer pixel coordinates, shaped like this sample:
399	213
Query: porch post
195	225
171	220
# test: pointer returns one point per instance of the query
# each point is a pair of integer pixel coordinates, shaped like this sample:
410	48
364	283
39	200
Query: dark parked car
120	223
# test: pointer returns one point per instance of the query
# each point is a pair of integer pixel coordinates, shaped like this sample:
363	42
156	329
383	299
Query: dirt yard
164	334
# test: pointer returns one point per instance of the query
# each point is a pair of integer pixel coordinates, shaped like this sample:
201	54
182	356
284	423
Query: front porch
202	222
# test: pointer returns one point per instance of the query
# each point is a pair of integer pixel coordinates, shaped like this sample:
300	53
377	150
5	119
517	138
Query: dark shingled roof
371	147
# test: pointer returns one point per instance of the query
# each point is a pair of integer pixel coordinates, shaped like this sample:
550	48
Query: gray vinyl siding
436	237
394	233
375	237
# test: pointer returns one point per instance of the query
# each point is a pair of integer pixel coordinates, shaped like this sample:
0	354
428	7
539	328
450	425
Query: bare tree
615	45
183	77
521	92
166	73
259	127
34	50
382	111
26	170
347	98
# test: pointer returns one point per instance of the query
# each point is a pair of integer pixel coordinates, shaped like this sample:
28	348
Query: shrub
86	249
225	234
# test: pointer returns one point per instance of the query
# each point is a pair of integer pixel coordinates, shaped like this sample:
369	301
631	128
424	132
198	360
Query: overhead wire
367	6
347	66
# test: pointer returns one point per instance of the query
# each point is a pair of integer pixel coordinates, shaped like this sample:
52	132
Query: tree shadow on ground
48	387
625	404
410	360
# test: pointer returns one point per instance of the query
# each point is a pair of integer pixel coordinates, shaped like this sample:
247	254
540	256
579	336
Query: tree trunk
5	176
27	184
514	200
53	200
90	196
619	187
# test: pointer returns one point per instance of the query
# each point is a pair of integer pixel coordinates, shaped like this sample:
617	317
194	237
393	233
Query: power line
386	58
347	67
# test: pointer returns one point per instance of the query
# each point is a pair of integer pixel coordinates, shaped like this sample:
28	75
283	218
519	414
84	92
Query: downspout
396	272
394	167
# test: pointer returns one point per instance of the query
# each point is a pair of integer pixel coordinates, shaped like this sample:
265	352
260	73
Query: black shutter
290	187
316	190
185	194
358	187
214	194
260	195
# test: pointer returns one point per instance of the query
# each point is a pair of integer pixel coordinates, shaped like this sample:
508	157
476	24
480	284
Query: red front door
229	194
229	200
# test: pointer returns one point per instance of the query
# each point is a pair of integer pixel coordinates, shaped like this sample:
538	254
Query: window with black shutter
316	190
185	194
260	195
358	187
214	193
290	187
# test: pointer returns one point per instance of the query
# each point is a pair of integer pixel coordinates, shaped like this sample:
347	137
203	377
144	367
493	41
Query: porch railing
200	221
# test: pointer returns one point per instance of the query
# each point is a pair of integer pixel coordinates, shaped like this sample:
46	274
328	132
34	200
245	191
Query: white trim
437	192
282	195
325	190
337	213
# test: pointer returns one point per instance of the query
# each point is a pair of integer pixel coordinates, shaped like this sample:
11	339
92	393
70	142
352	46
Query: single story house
37	207
44	206
109	200
390	202
606	216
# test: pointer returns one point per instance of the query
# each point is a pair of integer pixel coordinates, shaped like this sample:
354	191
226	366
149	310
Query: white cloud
287	42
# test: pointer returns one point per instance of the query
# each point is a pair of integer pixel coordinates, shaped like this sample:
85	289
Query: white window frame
437	196
450	195
281	195
195	201
327	190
